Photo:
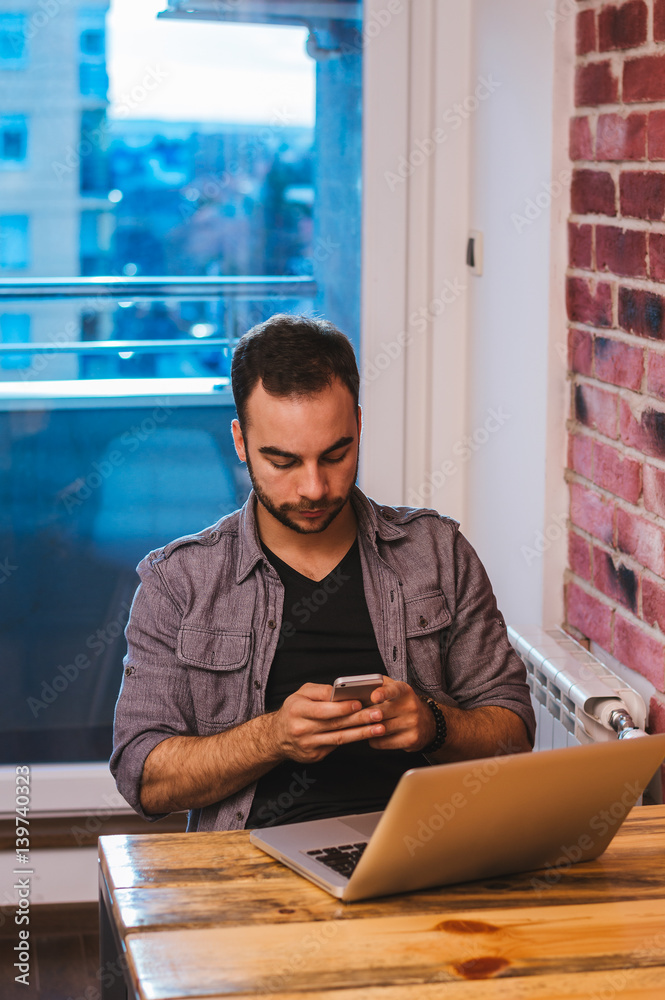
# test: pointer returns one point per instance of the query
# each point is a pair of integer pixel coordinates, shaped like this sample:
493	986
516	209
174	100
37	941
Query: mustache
302	508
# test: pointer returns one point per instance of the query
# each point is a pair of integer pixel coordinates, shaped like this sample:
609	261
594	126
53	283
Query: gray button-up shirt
206	621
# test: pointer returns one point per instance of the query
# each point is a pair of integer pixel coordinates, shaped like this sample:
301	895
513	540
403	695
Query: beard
282	512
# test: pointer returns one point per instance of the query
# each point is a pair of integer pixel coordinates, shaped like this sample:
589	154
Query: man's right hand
309	725
190	772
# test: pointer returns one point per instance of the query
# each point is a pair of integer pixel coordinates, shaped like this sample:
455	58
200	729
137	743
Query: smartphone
357	687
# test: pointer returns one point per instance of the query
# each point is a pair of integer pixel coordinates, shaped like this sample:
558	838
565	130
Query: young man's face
301	454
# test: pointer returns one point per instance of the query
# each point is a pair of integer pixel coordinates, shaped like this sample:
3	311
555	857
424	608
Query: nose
313	483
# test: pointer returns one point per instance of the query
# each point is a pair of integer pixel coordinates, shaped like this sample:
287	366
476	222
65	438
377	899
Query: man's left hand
409	721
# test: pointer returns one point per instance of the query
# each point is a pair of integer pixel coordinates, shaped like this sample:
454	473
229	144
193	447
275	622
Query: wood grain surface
209	915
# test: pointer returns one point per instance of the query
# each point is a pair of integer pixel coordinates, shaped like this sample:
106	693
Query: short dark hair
292	356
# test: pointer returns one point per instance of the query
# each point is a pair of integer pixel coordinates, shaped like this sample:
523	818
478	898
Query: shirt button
128	671
239	815
271	624
423	622
388	514
257	684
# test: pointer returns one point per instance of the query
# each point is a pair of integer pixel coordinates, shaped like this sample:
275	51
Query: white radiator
576	698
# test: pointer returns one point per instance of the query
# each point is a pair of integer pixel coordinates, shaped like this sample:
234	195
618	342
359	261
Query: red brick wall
615	584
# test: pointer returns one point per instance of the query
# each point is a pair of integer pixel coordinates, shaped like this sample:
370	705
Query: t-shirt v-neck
326	632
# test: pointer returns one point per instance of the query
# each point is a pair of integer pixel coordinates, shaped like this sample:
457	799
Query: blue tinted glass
14	248
227	151
13	46
13	140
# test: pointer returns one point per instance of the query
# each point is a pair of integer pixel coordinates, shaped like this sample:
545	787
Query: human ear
238	440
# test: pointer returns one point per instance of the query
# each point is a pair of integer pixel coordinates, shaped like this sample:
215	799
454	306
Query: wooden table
209	915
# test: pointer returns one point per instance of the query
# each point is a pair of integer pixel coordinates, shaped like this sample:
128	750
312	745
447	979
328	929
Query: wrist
440	727
268	742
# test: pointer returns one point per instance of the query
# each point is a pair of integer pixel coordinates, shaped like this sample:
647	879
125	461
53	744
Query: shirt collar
373	520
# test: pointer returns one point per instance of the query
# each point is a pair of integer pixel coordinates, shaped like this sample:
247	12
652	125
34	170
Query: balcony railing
228	306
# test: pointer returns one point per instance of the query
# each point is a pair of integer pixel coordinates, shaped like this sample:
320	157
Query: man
237	633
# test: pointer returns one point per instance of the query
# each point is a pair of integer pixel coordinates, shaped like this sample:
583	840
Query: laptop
476	819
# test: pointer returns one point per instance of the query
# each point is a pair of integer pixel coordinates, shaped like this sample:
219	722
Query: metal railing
104	292
253	287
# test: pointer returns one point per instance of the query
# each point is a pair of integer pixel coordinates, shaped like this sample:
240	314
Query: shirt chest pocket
426	616
216	661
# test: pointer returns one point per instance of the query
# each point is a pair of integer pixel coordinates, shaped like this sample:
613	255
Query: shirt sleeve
155	699
481	668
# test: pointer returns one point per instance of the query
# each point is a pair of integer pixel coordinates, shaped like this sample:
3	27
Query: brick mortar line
614	107
571	476
645	225
626	450
638	284
628	395
592	591
619	57
628	107
624	166
621	337
627	222
628	560
621	559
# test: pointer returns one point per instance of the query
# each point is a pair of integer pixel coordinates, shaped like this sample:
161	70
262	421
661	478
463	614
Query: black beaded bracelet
441	727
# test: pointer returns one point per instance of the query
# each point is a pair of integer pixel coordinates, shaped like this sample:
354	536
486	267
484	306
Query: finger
389	690
315	692
352	734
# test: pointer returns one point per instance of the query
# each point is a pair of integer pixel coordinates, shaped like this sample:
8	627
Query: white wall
519	190
470	417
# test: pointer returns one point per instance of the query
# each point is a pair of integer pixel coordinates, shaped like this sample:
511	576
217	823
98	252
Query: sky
205	71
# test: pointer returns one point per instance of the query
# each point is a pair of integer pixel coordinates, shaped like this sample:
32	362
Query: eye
333	461
281	465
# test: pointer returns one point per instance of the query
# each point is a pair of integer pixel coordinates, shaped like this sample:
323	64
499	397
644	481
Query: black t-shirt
326	633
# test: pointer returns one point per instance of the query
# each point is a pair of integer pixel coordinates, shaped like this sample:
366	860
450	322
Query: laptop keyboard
342	858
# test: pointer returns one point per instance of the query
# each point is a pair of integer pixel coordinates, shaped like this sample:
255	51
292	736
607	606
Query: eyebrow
272	450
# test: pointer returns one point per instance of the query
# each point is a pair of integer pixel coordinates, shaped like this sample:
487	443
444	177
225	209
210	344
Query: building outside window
13	141
227	150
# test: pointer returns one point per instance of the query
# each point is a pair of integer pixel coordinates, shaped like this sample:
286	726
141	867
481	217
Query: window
13	141
14	329
224	151
14	250
93	79
92	42
13	47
